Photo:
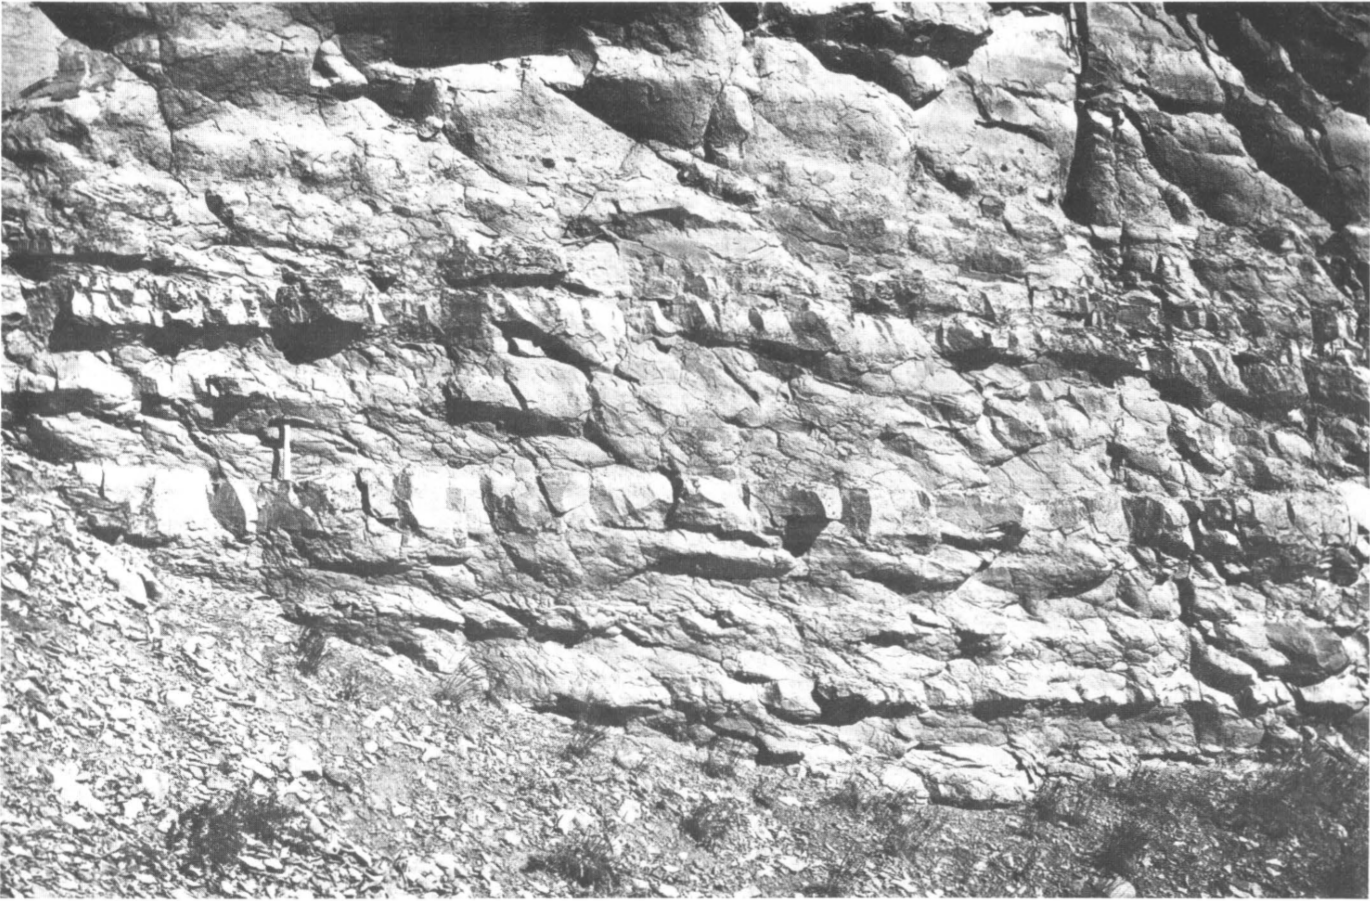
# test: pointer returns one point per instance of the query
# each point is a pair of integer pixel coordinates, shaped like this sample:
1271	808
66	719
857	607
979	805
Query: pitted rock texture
984	386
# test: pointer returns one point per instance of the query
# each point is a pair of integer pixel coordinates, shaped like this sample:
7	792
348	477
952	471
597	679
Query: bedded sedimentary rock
980	386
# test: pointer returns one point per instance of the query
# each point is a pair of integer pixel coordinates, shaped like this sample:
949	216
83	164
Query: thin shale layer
984	383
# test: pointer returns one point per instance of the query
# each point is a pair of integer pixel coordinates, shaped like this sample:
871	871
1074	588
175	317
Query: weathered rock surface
984	384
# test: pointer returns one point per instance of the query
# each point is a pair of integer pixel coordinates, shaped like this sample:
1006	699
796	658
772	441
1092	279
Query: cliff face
983	385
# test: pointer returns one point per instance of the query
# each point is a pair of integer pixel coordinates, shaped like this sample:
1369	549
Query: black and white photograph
812	449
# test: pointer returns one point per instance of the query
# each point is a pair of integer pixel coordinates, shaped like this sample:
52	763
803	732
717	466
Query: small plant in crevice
1348	876
1063	801
766	792
1122	848
671	725
587	859
852	796
311	645
842	875
1027	860
352	684
1210	724
993	875
1155	795
711	822
275	658
210	835
720	761
1312	787
589	731
1316	800
464	686
906	829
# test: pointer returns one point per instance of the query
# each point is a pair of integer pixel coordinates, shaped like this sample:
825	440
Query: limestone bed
982	384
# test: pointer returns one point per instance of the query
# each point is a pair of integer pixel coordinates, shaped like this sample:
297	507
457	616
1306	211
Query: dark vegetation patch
311	645
210	835
720	762
352	683
710	822
1063	801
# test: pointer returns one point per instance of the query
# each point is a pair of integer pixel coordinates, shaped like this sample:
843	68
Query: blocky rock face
988	385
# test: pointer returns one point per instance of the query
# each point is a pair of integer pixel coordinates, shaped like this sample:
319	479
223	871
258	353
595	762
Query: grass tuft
588	732
464	687
587	859
1148	786
907	829
842	876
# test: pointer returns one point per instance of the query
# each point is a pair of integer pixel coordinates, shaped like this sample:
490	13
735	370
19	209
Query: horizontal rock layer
984	386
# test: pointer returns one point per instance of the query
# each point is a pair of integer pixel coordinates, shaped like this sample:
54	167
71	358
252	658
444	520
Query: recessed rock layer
983	386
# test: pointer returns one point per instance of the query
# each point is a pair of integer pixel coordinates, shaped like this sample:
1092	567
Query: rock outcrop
984	386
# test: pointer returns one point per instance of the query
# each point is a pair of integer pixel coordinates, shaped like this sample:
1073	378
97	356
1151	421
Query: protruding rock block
428	504
77	381
661	81
754	666
234	505
30	48
548	389
378	495
514	498
503	263
701	556
1338	697
601	672
1312	649
466	492
730	125
128	583
792	700
153	505
971	775
565	490
713	505
1220	669
1161	523
279	507
628	498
